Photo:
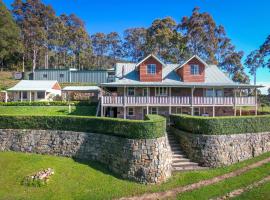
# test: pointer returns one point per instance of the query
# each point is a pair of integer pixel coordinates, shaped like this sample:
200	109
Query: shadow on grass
84	111
99	167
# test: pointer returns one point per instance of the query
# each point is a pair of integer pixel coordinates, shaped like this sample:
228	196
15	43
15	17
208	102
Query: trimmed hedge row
221	125
48	103
152	127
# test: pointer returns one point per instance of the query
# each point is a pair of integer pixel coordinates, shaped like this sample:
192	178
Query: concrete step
178	151
185	164
179	160
181	169
175	148
175	156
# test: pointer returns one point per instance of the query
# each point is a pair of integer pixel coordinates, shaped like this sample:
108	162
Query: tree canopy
51	41
10	44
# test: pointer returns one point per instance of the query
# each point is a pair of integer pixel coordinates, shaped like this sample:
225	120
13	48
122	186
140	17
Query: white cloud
264	90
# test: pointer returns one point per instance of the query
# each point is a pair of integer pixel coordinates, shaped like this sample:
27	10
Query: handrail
176	100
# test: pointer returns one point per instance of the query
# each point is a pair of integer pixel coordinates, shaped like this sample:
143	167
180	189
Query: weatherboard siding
185	73
144	76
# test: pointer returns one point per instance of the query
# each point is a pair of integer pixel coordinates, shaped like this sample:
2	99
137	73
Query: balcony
176	101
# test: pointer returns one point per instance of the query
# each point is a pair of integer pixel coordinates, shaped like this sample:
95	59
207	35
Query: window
24	94
154	111
41	95
194	69
151	69
61	75
130	111
131	91
161	91
209	92
218	93
45	75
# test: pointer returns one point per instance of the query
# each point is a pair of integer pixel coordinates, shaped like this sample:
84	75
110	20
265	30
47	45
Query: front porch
193	101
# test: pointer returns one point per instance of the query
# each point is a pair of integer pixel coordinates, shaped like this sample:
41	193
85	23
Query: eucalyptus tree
10	43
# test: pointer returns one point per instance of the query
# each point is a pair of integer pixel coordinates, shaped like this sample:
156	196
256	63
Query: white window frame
133	111
151	69
151	111
161	91
194	69
128	92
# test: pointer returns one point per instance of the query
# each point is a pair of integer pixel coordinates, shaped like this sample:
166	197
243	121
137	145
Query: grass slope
262	192
223	187
48	110
74	180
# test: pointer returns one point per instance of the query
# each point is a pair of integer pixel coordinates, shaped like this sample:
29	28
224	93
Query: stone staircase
179	161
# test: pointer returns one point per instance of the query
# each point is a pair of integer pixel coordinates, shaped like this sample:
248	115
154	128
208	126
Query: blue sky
247	22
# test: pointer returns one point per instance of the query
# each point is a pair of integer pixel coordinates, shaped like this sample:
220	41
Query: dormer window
194	69
151	69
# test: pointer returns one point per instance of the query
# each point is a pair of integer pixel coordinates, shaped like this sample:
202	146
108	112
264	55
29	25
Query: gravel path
174	192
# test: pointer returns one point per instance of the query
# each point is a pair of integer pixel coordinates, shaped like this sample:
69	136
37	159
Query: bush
48	103
221	125
152	127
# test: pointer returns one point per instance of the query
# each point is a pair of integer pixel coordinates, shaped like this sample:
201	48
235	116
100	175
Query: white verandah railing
177	100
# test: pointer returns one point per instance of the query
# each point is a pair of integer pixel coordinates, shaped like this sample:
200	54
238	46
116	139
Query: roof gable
195	56
153	56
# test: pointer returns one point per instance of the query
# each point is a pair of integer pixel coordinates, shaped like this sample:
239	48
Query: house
29	90
192	87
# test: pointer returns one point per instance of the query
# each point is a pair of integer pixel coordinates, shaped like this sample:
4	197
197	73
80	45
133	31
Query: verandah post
234	102
192	94
170	101
124	103
213	102
256	102
240	108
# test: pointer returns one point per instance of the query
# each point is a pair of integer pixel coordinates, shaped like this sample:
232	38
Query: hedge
48	103
221	125
152	127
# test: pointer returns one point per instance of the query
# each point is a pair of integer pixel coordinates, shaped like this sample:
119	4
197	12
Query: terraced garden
80	180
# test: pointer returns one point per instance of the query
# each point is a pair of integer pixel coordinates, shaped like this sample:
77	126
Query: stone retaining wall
143	160
220	150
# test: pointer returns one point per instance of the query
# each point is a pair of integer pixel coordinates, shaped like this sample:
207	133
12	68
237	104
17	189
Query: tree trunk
34	59
23	63
255	76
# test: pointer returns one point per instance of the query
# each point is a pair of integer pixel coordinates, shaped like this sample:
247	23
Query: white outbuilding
32	90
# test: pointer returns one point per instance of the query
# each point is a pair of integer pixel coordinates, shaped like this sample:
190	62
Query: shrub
152	127
48	103
221	125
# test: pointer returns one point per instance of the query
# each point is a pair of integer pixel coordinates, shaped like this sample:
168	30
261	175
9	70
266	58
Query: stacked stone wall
142	160
222	150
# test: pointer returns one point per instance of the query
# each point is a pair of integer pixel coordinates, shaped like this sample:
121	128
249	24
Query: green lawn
260	108
223	187
48	110
261	192
75	180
